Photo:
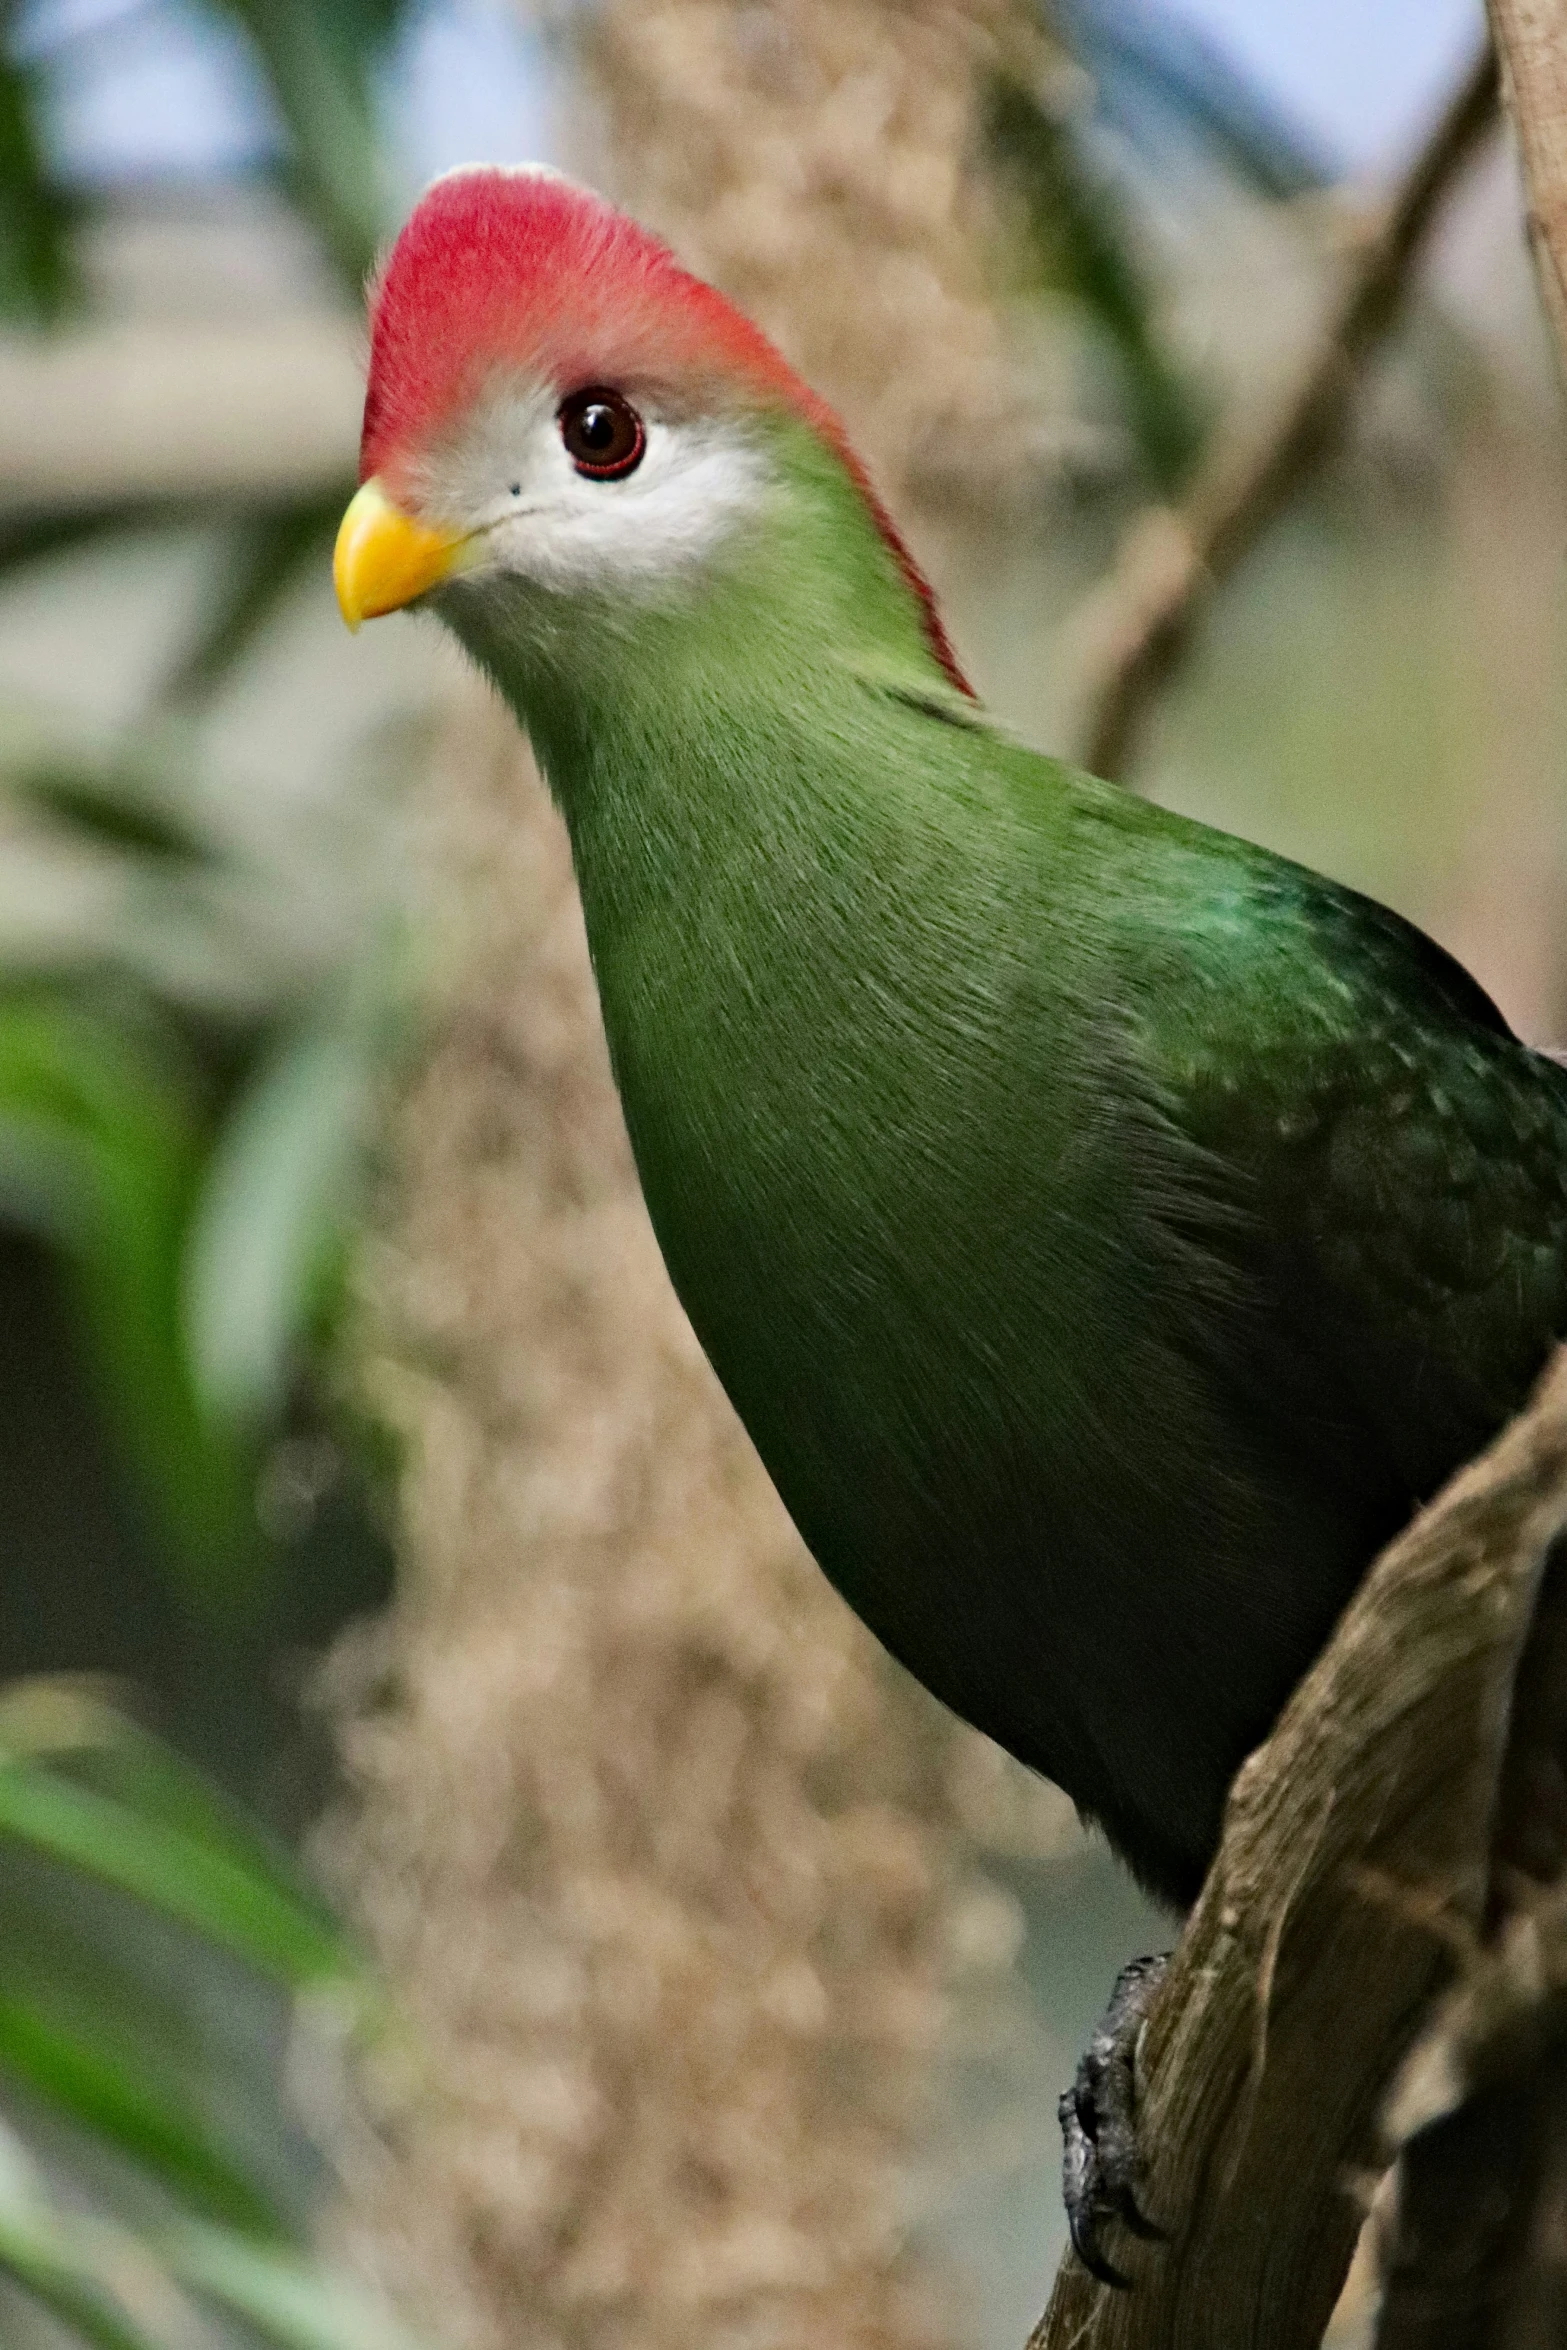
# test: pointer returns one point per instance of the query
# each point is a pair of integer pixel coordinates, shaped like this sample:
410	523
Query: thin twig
1135	624
1531	40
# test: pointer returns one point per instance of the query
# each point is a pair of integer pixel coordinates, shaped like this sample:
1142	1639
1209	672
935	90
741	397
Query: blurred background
463	1879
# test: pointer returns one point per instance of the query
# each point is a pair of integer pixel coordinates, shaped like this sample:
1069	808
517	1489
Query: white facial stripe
509	476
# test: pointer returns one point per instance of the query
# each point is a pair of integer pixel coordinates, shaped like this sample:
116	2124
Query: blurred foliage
320	64
101	1153
202	1247
182	1116
270	554
1076	239
192	1163
1078	153
37	274
101	2041
1161	86
183	1112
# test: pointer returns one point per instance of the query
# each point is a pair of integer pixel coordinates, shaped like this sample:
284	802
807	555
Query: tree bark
1531	41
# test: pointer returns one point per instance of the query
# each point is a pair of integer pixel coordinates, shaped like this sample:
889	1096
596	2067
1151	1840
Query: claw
1088	2252
1099	2171
1132	2215
1084	2210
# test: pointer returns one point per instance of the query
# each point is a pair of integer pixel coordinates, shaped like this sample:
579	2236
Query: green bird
1108	1232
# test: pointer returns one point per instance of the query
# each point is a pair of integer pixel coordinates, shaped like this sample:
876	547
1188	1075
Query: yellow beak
384	558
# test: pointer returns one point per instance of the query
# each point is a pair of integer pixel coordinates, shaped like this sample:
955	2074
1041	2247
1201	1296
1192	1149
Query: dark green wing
1398	1158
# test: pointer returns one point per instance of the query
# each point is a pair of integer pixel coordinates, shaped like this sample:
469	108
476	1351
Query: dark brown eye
603	434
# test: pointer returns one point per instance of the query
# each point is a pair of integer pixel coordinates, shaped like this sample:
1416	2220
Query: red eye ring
605	437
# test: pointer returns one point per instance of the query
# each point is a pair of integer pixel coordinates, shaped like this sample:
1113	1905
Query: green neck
771	836
802	895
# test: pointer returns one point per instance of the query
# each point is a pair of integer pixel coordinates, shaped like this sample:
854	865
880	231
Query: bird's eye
603	434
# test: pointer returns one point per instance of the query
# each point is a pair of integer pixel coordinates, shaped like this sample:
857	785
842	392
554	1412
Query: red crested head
519	271
522	270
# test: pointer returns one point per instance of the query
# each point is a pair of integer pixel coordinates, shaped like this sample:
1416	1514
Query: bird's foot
1100	2169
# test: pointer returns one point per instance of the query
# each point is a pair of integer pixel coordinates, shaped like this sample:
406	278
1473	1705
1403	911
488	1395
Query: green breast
970	1100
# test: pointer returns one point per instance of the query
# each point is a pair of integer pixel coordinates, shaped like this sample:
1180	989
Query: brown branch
1531	40
1135	625
1476	2256
1360	1848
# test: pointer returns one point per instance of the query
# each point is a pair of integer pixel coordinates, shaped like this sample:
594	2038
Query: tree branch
1531	40
1476	2256
1135	625
1361	1846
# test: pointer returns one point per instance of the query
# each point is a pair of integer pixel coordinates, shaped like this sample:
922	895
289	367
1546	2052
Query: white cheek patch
700	481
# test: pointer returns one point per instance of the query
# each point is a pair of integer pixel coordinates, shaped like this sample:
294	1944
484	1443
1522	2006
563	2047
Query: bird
1109	1232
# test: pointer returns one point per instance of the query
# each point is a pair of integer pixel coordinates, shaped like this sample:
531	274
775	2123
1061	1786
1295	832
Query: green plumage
1107	1231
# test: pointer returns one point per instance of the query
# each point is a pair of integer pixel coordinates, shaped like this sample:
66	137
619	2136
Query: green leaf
37	275
272	1206
293	2303
94	2276
127	2101
184	1878
319	60
150	1826
114	810
154	1828
100	1152
70	1723
121	2291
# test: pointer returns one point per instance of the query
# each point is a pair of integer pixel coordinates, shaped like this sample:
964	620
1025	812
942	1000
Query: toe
1087	2210
1085	2243
1131	2215
1101	2169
